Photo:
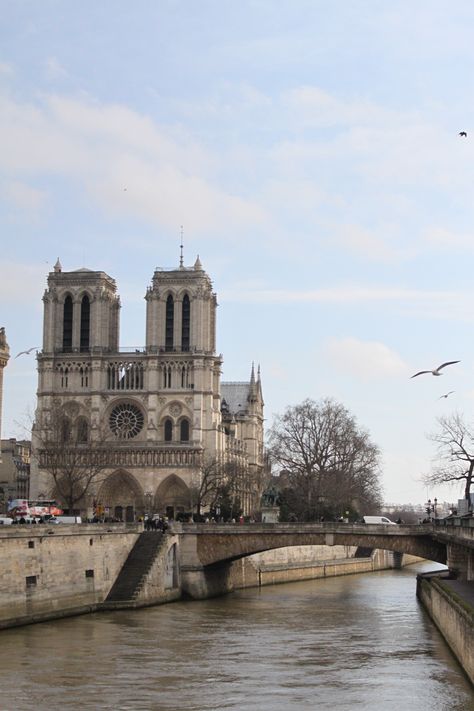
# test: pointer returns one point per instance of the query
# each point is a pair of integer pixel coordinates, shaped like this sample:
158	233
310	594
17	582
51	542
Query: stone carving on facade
72	409
176	409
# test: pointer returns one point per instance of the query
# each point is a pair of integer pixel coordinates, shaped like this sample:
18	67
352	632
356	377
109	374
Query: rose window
126	421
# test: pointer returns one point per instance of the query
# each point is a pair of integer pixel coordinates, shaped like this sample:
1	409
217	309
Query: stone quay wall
452	611
286	565
58	571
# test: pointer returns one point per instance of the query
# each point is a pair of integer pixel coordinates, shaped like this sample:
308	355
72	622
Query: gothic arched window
85	323
82	430
184	431
67	324
169	323
186	320
168	430
65	429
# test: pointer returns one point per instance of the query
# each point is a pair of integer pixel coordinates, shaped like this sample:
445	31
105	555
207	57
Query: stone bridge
207	550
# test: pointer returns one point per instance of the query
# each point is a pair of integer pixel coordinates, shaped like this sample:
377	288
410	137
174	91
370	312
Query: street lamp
432	507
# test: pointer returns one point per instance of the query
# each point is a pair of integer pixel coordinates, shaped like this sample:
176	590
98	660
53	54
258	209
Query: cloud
444	239
124	161
349	293
23	196
365	359
22	284
6	69
373	245
311	106
55	70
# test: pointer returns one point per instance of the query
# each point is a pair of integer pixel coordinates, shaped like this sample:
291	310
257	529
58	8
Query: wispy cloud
123	161
22	283
364	359
23	196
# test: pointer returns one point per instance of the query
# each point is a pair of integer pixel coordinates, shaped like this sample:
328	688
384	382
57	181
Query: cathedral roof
235	395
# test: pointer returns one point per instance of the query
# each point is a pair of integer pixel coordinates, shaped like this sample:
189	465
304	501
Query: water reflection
358	641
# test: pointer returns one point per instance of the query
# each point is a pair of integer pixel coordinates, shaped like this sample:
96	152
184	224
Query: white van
379	519
5	521
68	519
65	519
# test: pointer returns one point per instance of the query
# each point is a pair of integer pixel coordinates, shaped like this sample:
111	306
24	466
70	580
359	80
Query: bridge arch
224	544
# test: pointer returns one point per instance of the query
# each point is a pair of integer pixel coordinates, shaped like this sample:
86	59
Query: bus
31	507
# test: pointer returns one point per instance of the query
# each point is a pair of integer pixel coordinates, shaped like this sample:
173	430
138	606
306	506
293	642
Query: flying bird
436	370
447	394
26	352
463	133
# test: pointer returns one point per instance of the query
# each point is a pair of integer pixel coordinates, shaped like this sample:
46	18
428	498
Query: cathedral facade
156	415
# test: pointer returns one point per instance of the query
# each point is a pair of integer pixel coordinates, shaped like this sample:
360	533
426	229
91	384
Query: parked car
5	521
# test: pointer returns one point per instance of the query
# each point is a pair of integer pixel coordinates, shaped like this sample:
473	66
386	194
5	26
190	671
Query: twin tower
159	409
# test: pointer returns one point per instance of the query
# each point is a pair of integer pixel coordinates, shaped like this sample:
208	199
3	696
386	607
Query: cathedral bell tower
81	312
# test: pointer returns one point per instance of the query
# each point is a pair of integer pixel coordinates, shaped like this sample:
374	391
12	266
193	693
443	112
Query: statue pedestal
270	514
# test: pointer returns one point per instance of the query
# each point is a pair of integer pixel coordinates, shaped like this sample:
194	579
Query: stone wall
55	571
285	565
452	614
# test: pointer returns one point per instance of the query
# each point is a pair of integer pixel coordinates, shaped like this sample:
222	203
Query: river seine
354	642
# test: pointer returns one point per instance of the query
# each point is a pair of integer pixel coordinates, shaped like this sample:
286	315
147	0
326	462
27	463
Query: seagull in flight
447	395
26	352
463	133
436	370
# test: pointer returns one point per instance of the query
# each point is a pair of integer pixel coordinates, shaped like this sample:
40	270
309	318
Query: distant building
14	470
162	403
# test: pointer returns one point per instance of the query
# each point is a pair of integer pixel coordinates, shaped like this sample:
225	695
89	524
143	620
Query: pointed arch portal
121	496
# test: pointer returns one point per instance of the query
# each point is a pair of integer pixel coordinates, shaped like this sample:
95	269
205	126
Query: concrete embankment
450	604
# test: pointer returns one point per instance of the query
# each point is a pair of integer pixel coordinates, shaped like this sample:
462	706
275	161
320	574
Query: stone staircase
131	578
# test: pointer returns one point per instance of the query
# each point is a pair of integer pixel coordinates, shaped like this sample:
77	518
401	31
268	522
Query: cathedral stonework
141	424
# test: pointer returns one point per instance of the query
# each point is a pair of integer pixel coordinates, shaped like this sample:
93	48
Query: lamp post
432	508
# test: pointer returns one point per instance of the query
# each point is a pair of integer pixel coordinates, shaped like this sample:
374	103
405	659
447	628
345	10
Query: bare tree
330	464
455	440
67	452
219	486
206	483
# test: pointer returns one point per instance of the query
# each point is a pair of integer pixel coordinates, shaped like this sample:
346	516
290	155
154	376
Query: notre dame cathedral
162	405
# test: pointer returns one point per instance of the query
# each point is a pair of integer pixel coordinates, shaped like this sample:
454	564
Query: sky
311	153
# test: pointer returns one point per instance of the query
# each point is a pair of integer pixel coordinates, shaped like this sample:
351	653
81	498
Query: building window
184	431
89	573
67	324
82	431
31	544
64	377
169	323
186	320
31	581
65	429
168	430
84	373
126	421
85	323
167	376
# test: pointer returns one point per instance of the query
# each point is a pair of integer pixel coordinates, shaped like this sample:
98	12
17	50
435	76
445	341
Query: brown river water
347	643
